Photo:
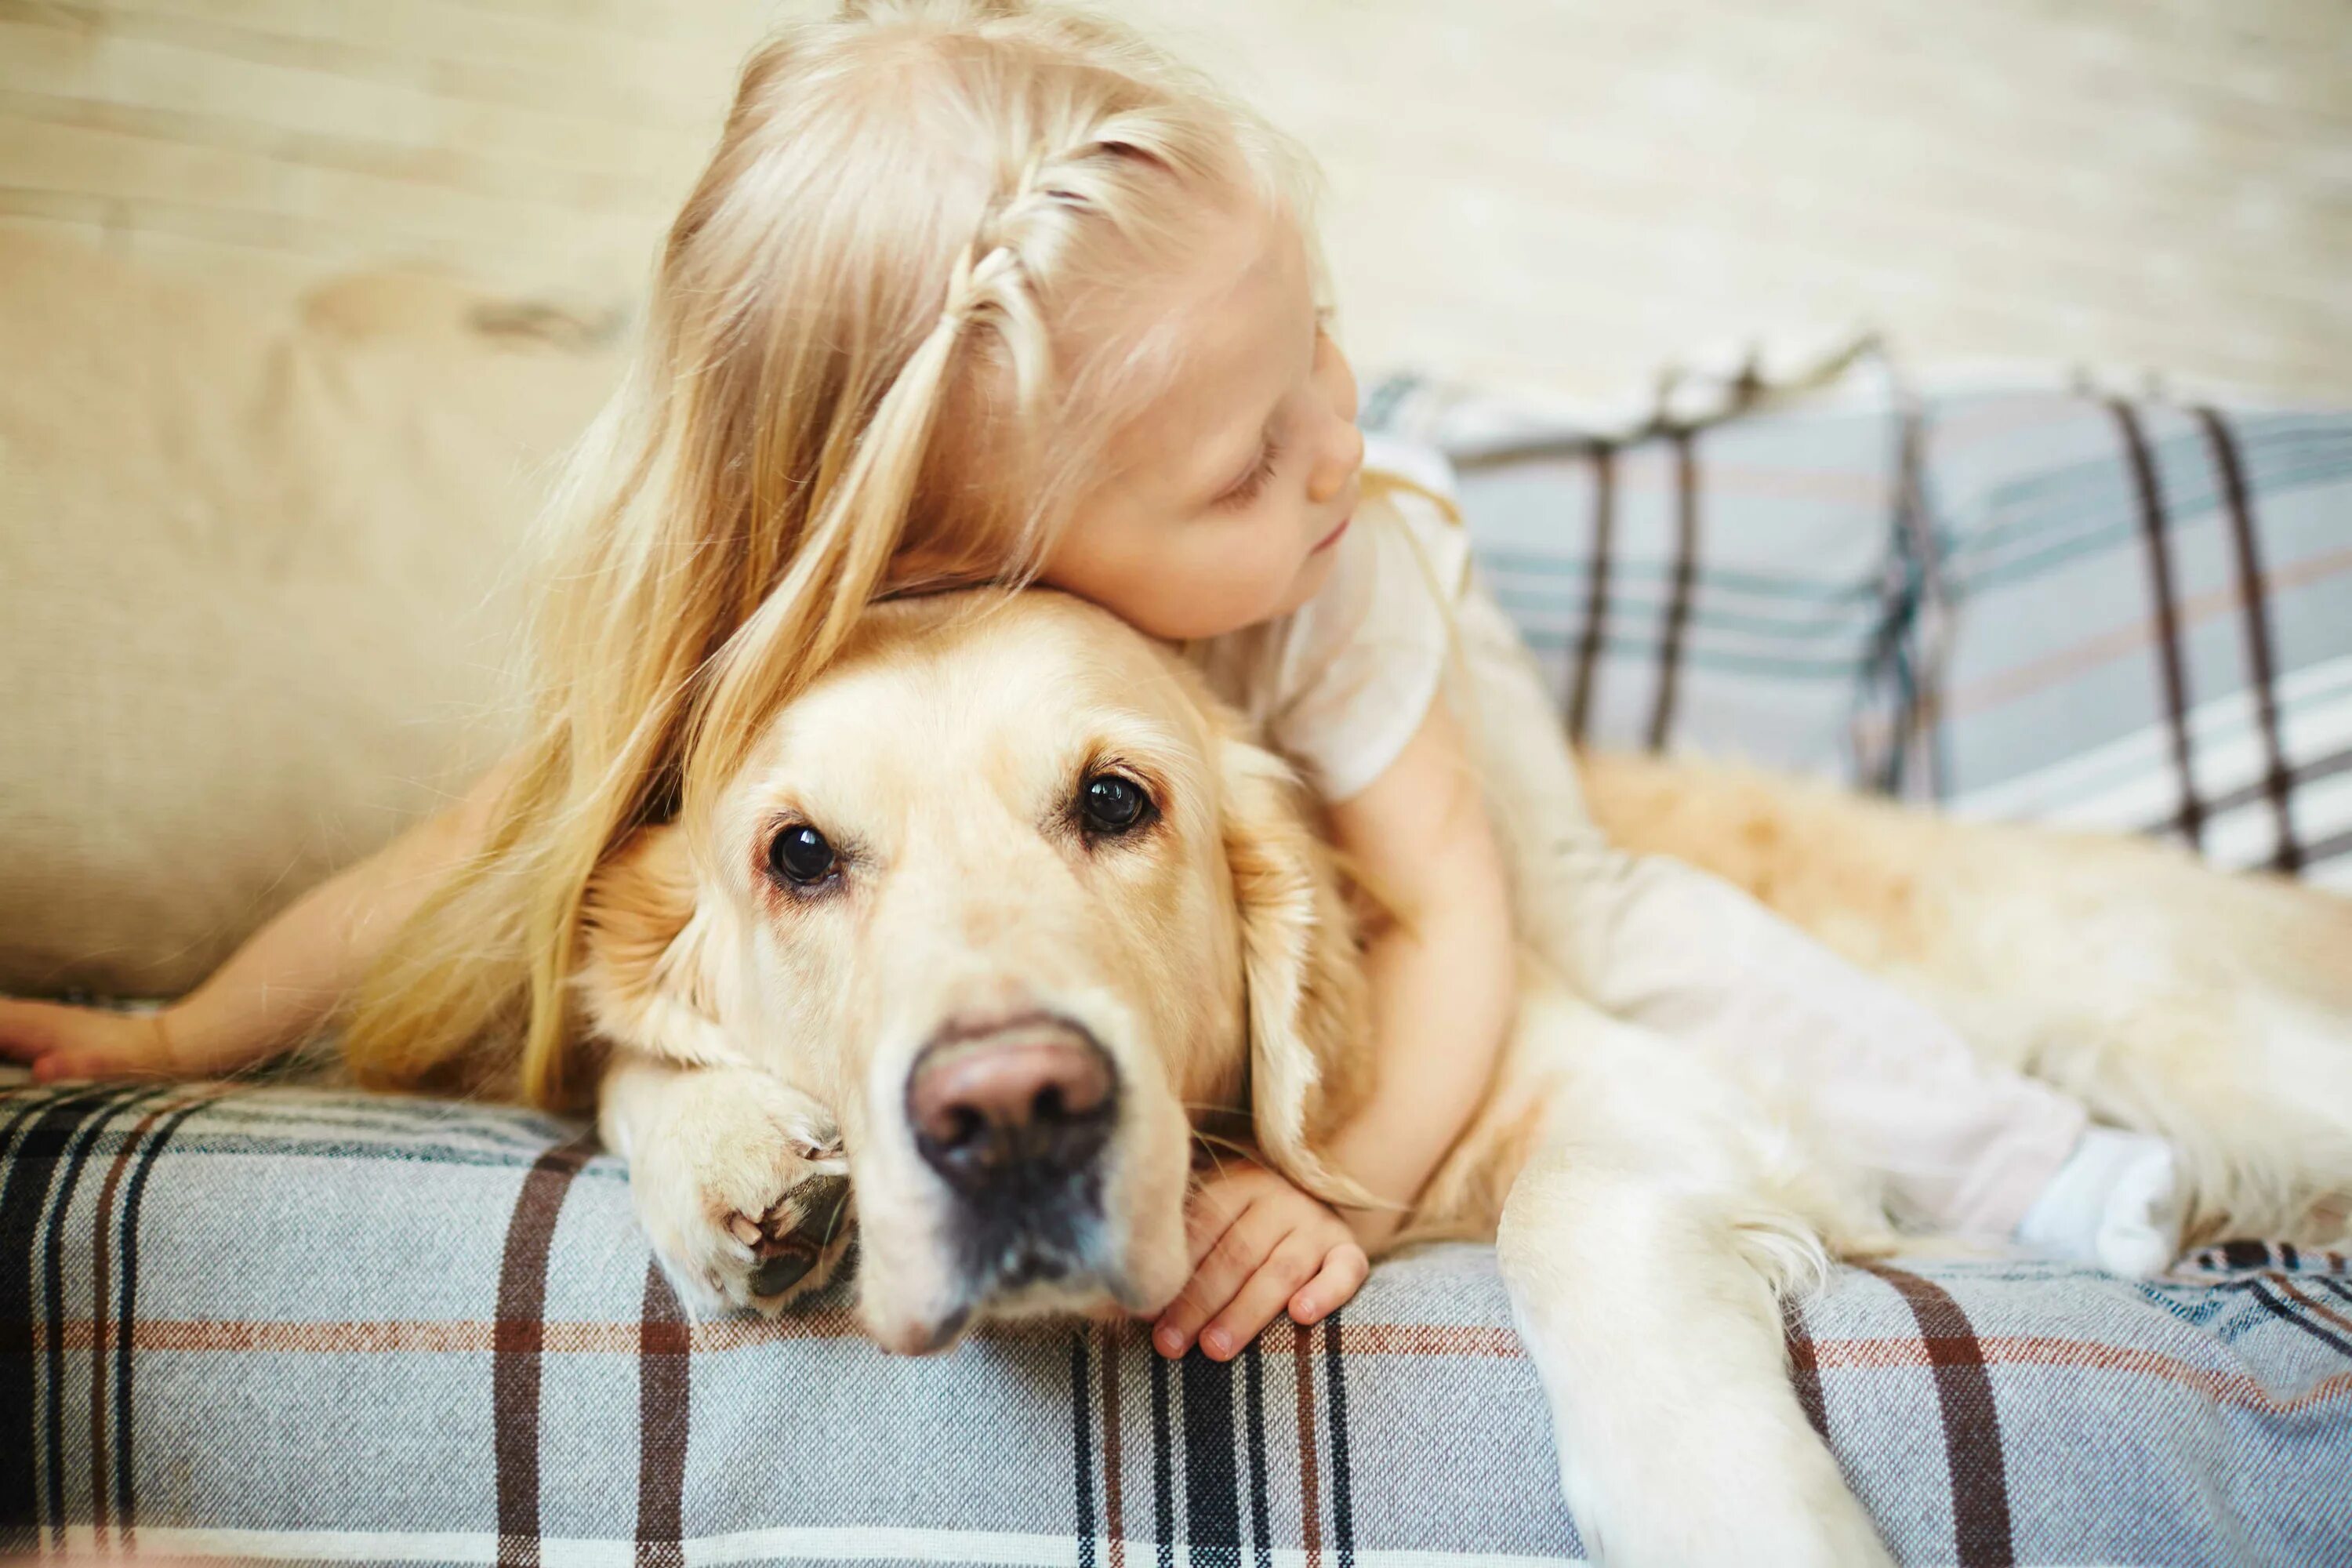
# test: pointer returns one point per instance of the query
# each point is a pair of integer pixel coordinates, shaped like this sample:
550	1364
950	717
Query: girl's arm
1445	981
1443	975
277	989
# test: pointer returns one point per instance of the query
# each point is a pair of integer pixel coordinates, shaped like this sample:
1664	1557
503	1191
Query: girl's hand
1259	1245
63	1042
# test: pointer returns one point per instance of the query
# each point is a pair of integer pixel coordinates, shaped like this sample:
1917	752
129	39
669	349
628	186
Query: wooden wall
1556	192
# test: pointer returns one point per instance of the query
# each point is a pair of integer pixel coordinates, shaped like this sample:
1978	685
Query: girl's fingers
1212	1211
62	1042
1216	1278
28	1030
1259	1300
1343	1274
63	1067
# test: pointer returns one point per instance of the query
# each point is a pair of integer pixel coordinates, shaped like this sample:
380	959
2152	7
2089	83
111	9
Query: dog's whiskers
1211	1142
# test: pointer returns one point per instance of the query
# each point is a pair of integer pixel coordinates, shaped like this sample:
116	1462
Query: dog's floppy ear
652	976
1304	979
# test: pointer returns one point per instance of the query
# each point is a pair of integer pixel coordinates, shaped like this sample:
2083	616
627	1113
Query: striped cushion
2132	615
288	1324
1725	588
2142	620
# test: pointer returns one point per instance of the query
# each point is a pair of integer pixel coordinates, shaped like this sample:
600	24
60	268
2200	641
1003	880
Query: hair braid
839	566
995	279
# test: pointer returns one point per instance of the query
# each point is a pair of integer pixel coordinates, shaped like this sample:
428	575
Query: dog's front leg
1681	1442
737	1177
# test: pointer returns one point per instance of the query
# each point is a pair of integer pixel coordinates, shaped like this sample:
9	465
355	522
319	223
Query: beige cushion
257	579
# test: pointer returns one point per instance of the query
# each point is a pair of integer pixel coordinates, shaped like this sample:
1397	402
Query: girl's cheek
1229	588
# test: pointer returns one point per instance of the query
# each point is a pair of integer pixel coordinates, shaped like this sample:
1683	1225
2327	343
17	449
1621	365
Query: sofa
252	582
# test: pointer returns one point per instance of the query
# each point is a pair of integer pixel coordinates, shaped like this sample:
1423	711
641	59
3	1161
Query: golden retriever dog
1016	899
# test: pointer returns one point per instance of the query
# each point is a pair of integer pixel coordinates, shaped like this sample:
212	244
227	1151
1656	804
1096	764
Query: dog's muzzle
1016	1121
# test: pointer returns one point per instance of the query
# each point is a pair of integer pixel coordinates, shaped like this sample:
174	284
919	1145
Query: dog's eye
1111	805
800	854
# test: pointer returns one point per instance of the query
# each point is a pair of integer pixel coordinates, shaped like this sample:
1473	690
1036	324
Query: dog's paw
1791	1508
743	1189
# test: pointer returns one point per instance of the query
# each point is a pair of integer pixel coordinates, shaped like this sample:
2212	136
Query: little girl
976	293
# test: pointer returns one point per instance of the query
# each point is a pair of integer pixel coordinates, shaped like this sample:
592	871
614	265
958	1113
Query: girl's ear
652	977
1304	975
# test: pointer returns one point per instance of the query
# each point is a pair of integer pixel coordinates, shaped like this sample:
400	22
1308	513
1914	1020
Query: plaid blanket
286	1323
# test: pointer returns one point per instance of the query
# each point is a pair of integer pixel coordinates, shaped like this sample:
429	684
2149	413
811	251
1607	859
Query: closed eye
1248	488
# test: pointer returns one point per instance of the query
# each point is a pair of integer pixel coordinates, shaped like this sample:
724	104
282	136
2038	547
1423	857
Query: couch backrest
255	589
258	579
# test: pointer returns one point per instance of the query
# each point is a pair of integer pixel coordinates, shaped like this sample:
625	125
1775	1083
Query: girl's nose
1342	455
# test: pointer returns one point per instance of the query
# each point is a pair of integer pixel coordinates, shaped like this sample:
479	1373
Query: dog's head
1008	890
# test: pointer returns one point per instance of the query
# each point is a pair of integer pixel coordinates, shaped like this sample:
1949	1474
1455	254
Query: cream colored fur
1651	1205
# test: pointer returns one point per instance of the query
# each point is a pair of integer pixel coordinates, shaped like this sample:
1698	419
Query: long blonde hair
859	372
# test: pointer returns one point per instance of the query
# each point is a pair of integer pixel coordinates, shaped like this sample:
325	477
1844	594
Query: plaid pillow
2138	616
1725	584
282	1324
2101	612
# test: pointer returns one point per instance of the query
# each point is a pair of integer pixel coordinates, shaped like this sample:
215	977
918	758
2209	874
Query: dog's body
986	938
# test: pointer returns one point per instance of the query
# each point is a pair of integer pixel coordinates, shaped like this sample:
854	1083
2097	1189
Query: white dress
1341	684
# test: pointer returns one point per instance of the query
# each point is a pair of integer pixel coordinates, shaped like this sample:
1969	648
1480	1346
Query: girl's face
1220	505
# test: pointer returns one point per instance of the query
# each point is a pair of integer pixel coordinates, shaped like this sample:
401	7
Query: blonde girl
972	292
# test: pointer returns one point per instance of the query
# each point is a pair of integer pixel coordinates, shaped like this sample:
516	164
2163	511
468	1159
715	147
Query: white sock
2116	1202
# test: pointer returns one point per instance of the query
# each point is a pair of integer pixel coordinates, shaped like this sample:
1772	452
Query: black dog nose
1019	1105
